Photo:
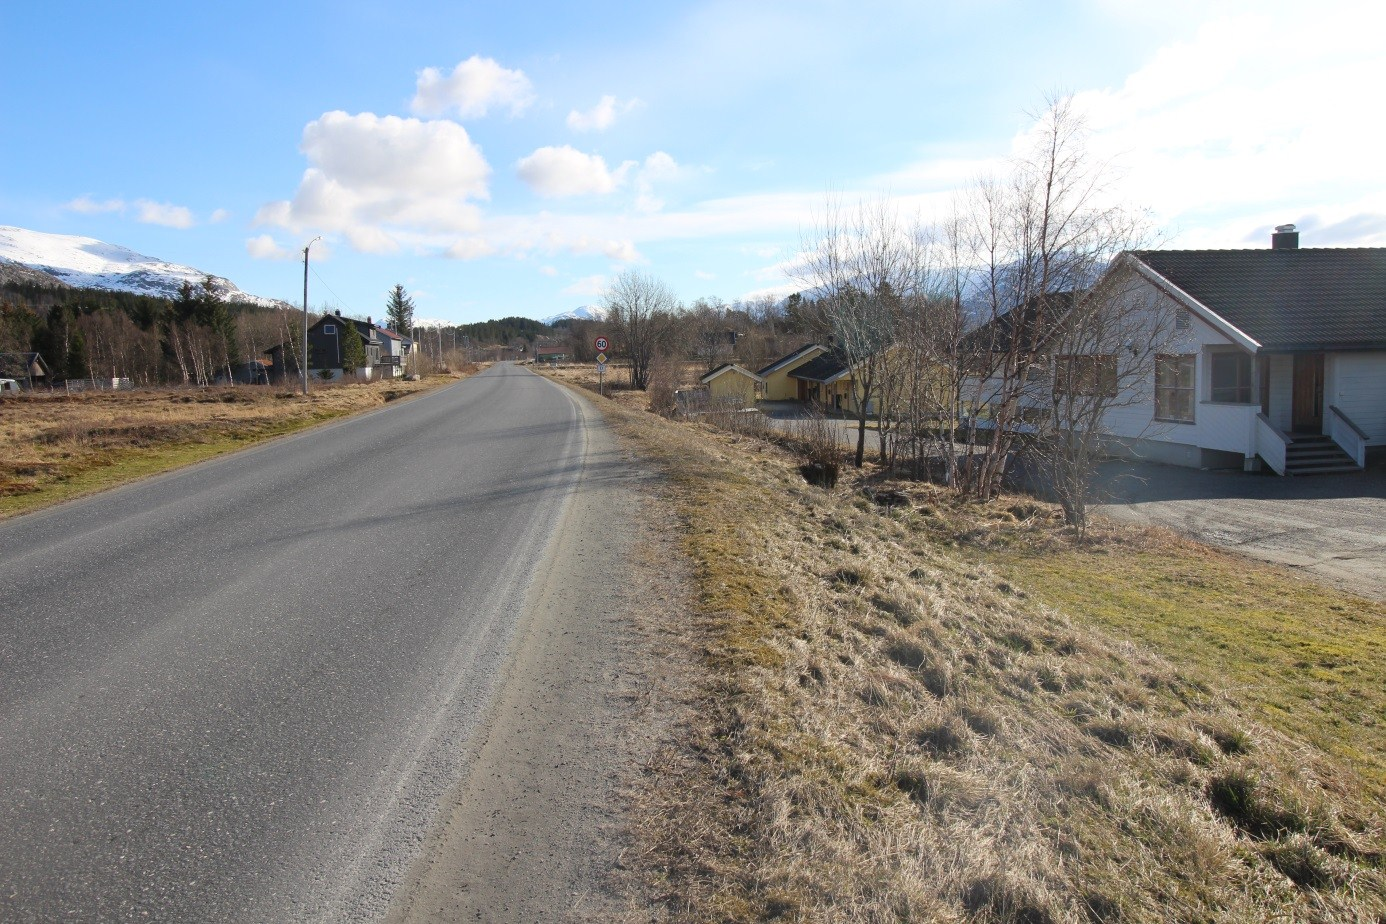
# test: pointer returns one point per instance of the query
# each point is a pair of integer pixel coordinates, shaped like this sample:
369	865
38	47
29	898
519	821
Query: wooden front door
1307	403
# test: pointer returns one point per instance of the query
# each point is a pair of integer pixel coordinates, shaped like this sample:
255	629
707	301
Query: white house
394	353
1278	358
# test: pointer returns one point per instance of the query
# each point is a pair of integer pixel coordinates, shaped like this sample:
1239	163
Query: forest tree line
196	338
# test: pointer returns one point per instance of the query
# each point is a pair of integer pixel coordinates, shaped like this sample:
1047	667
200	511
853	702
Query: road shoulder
538	829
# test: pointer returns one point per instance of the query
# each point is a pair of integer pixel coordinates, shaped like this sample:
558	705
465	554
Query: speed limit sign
602	344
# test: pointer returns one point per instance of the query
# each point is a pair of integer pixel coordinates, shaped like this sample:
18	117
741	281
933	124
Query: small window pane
1174	388
1230	378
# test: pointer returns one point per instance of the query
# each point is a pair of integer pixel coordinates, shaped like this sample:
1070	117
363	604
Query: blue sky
502	159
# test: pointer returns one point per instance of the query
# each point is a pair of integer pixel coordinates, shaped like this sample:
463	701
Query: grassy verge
1310	660
59	447
897	724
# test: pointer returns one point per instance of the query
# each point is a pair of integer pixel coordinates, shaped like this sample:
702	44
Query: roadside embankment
899	719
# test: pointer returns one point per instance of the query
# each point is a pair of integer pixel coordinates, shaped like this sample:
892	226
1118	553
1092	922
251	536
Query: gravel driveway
1333	526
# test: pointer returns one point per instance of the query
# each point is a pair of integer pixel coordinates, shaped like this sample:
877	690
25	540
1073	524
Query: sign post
602	345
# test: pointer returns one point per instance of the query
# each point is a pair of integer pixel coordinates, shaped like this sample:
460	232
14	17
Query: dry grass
615	385
54	447
1307	659
892	729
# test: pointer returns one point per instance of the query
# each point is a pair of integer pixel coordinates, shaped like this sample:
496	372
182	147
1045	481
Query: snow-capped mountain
88	263
585	313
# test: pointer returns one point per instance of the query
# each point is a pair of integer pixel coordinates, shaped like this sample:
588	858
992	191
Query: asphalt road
238	692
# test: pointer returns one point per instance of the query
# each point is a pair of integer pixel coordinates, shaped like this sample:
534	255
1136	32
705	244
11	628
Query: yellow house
779	383
731	384
827	379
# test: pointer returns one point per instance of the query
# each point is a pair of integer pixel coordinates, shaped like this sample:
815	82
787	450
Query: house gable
778	384
732	368
789	362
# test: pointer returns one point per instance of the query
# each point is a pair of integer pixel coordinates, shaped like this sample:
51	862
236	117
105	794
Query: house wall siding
734	387
1222	427
1355	383
779	386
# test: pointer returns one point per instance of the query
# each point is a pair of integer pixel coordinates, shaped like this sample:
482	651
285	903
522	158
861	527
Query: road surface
243	691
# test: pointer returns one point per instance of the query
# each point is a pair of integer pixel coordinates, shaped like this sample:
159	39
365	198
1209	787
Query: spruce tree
76	364
399	310
353	351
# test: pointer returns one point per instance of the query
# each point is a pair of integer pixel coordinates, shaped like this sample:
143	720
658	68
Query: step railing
1340	428
1271	444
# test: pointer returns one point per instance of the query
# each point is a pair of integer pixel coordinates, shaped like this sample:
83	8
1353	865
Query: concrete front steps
1317	455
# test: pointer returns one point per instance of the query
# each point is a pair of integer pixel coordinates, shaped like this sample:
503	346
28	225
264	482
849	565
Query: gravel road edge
539	829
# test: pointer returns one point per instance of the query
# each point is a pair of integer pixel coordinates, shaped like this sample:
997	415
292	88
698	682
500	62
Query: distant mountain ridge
584	313
85	262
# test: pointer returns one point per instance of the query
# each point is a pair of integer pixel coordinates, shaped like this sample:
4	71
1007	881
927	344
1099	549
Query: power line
341	301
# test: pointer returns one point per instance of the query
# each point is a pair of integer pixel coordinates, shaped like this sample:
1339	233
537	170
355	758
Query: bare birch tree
1037	239
860	267
640	311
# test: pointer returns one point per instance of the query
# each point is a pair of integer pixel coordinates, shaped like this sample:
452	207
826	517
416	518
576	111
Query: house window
1086	375
1174	387
329	328
1230	377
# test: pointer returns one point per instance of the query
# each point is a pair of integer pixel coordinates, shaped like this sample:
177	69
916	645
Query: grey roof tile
1320	298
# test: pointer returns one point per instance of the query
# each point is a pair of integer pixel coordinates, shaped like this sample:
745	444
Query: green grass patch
1311	660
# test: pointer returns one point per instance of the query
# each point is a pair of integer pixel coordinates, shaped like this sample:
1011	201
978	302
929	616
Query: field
55	447
931	710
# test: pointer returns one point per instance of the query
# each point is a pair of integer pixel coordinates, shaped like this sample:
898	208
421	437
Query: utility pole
303	360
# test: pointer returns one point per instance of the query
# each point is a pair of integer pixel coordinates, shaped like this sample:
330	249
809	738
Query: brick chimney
1285	238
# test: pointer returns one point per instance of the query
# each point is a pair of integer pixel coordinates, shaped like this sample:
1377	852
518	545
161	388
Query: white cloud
471	248
474	87
379	180
658	166
601	116
1247	124
548	270
146	210
163	213
557	172
704	275
585	245
219	216
264	247
588	286
86	205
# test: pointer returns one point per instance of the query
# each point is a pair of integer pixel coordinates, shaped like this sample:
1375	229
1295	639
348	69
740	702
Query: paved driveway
1333	526
785	416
